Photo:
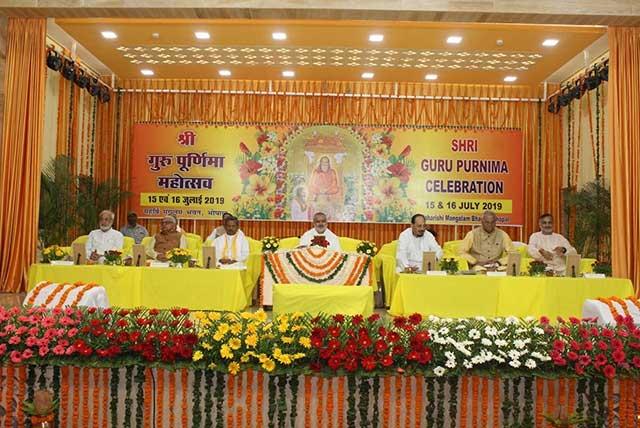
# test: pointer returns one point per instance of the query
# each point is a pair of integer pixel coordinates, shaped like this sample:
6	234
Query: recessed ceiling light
146	72
279	36
510	79
367	75
202	35
431	77
155	35
288	73
454	40
550	42
224	73
109	35
376	37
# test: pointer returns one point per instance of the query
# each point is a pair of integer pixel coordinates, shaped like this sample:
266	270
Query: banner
354	174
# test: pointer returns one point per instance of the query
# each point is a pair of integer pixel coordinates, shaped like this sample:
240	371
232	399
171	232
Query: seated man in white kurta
548	247
412	243
104	239
320	229
232	248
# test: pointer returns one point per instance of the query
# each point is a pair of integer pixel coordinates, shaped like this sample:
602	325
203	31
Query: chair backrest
349	245
289	243
451	248
255	246
82	239
389	249
145	241
127	245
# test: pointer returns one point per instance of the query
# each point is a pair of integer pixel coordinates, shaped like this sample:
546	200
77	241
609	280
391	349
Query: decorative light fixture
376	37
279	36
288	73
550	42
367	75
110	35
431	77
105	95
224	73
510	79
81	79
94	87
202	35
68	69
147	72
54	61
454	40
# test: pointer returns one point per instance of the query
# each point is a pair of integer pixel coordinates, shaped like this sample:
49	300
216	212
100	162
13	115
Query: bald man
105	238
166	240
486	247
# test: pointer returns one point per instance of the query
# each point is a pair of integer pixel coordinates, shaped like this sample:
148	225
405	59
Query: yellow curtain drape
241	102
624	112
24	85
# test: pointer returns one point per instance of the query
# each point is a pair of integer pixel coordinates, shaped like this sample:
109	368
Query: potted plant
450	265
53	253
602	267
537	268
113	258
270	244
367	247
178	257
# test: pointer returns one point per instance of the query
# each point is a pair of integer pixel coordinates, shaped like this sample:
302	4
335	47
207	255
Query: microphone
573	271
208	262
514	269
138	260
78	258
429	266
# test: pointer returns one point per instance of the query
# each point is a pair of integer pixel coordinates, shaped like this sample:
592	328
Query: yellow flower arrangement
225	352
53	252
178	256
234	368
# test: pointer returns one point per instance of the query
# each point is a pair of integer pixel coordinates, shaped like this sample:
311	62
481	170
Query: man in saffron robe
325	191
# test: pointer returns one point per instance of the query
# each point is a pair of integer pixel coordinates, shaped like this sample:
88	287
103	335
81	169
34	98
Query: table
329	299
467	296
126	286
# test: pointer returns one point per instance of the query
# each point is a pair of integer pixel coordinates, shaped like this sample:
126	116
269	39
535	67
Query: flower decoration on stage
178	256
602	267
258	169
319	241
113	257
367	247
54	252
450	265
537	268
270	244
236	341
386	179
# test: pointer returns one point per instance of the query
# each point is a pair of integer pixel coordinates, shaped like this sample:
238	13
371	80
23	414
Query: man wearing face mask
105	238
320	229
548	247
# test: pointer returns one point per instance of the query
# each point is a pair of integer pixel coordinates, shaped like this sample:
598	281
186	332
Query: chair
194	245
127	244
289	243
349	245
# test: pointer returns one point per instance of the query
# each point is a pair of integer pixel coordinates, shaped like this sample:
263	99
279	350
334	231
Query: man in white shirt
412	243
548	247
232	248
104	239
320	229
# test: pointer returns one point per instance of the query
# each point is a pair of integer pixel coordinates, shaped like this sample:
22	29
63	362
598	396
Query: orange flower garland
320	403
85	394
407	399
259	400
172	397
496	402
572	395
9	391
160	406
475	384
622	408
418	402
96	398
54	293
239	409
622	304
81	294
76	392
551	395
330	402
464	400
248	398
612	308
22	387
398	380
148	396
386	400
36	292
66	293
635	301
64	395
231	380
561	393
341	381
485	403
331	265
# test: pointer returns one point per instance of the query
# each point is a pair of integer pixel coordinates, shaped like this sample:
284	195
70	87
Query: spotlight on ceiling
224	73
454	40
68	69
109	35
54	61
431	77
147	72
367	75
288	73
202	35
376	37
550	42
279	36
510	79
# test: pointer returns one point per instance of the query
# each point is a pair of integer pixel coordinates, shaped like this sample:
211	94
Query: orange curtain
21	147
624	113
242	102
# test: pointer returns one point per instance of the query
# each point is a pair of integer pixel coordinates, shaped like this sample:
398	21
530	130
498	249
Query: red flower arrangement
320	241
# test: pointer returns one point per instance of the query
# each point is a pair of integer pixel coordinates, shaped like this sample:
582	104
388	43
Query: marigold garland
22	388
475	383
622	304
160	398
551	395
64	395
259	400
184	381
66	293
172	397
417	402
484	417
231	395
239	409
408	399
85	394
464	401
54	293
9	391
148	396
635	302
398	381
622	396
36	292
330	402
496	402
386	400
614	311
95	411
76	399
341	400
81	294
561	393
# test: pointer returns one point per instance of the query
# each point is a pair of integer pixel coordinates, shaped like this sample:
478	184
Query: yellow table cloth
196	289
329	299
467	296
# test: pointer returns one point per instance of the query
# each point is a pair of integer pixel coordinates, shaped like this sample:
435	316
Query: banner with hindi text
354	174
